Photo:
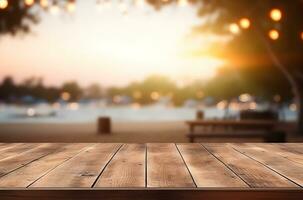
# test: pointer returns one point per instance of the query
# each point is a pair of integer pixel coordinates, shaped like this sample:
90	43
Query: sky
102	45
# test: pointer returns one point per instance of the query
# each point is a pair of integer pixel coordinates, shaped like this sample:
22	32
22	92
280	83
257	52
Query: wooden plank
293	147
165	167
206	170
26	175
82	170
18	160
15	149
252	172
288	168
4	146
126	169
283	150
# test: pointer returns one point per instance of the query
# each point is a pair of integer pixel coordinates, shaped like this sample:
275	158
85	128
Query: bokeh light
222	105
154	96
65	96
276	14
54	9
44	3
182	3
29	2
245	98
70	6
245	23
274	34
31	112
234	28
3	4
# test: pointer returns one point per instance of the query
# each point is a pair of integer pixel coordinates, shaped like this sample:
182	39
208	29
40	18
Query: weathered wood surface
247	167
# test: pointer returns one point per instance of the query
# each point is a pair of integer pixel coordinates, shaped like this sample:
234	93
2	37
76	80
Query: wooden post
104	125
199	114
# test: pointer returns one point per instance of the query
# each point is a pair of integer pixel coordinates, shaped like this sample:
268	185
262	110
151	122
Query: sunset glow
108	47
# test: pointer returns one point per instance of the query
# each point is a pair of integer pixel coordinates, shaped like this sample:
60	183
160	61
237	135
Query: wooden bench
236	129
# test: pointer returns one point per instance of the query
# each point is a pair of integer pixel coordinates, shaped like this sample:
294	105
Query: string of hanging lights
54	7
275	15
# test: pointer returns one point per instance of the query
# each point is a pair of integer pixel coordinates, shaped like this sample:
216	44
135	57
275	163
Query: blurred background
147	66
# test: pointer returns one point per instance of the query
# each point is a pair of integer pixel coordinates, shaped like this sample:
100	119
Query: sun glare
121	49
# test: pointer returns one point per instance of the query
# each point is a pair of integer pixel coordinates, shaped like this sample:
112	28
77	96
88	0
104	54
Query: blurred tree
17	18
94	91
284	49
276	35
7	89
73	89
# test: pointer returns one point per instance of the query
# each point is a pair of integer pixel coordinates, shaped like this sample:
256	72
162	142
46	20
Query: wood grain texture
206	170
165	167
151	167
252	172
267	156
4	146
126	169
292	154
15	149
27	174
19	159
82	170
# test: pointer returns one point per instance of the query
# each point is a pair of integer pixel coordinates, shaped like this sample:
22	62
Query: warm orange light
244	23
154	96
234	28
276	14
273	34
44	3
3	4
29	2
65	96
302	35
71	6
182	3
139	3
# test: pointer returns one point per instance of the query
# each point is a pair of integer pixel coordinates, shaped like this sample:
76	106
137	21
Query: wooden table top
150	166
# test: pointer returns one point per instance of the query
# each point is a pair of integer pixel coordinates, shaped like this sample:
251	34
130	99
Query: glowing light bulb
3	4
275	14
245	23
29	2
182	3
273	34
70	6
44	3
234	28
